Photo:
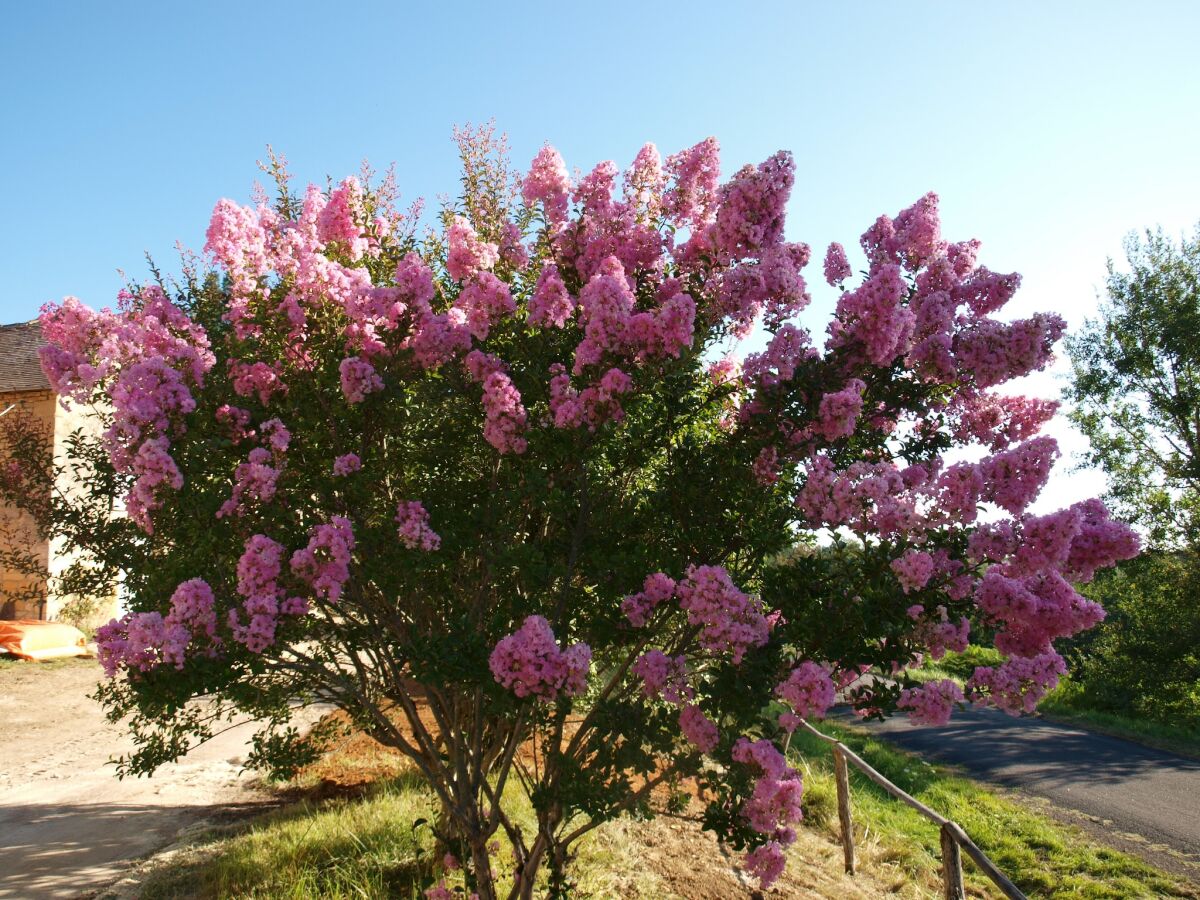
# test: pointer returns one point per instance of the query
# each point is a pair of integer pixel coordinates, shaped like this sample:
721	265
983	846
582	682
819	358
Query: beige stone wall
23	596
66	422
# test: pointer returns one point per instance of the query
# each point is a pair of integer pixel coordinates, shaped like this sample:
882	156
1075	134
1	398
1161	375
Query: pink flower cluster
414	531
872	320
154	467
913	570
338	220
655	589
255	480
258	571
594	405
325	563
467	254
837	267
839	412
346	464
551	306
692	198
504	416
931	703
141	641
484	301
1017	684
730	621
698	728
148	358
995	351
258	379
810	692
359	378
529	663
773	808
663	676
548	183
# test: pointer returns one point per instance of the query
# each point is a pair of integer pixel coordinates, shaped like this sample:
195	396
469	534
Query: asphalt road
1139	798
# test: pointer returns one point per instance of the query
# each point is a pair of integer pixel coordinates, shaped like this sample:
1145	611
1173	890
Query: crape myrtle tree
496	493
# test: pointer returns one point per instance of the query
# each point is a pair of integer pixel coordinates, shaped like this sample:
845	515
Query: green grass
368	847
1067	703
1044	858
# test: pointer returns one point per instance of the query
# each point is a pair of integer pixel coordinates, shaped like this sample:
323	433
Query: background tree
1136	396
1136	387
499	493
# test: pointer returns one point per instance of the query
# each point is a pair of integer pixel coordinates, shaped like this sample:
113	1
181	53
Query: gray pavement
1142	799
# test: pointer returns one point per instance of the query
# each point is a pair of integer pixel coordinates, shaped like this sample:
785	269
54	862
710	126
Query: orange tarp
30	639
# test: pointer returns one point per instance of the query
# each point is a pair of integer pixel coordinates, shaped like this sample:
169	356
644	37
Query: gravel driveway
67	826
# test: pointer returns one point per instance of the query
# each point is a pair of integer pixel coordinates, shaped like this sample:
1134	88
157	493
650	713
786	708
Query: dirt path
67	826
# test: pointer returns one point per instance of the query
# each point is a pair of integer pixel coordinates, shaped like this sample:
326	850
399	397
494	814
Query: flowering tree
498	495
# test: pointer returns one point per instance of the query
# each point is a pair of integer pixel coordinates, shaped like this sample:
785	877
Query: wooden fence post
952	875
843	795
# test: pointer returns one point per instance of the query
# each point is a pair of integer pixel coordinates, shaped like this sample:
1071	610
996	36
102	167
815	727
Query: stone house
24	388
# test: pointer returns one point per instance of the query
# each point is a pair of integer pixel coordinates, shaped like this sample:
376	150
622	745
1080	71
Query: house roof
20	368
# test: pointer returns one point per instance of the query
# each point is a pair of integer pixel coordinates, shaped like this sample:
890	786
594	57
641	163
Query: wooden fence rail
954	839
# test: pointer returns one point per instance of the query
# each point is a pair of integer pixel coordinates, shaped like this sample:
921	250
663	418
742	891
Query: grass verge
1046	859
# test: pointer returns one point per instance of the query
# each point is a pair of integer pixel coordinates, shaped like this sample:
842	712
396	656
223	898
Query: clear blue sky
1049	129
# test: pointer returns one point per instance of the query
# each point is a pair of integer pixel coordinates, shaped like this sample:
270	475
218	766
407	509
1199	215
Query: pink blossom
550	306
995	351
985	291
346	464
913	570
414	531
808	689
549	184
645	182
698	728
467	254
1017	684
155	469
917	232
529	662
766	466
338	220
1012	479
751	212
778	363
505	417
695	172
258	379
729	620
325	563
638	607
839	412
1099	543
931	703
837	267
237	241
254	480
484	301
139	641
766	863
359	378
663	676
872	319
